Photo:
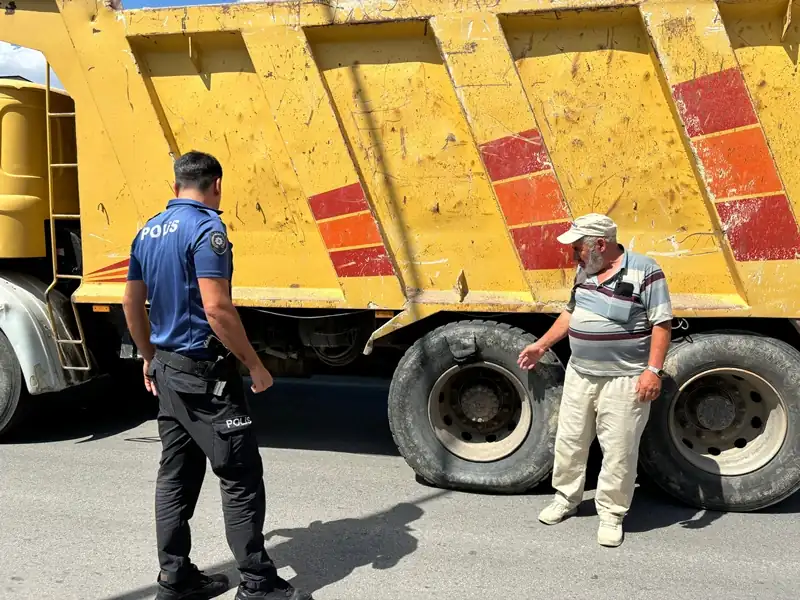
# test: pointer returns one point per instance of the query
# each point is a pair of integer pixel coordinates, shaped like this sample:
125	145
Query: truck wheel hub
480	404
715	412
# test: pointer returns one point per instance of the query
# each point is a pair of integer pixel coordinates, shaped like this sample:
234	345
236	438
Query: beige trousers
606	407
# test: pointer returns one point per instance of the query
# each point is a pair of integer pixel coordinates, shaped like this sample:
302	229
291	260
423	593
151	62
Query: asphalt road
347	519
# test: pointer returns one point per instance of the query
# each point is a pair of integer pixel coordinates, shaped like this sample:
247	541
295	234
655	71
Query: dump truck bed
382	152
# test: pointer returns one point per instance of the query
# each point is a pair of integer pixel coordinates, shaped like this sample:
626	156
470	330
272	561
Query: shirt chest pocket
620	300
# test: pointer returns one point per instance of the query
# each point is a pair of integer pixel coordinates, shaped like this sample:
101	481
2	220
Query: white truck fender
24	321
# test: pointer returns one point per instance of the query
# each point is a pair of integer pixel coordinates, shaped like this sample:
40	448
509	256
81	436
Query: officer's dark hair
197	170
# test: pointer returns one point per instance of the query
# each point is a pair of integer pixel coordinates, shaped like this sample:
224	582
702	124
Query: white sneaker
609	534
556	512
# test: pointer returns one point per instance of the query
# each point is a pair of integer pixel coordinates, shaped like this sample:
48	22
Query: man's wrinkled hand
530	356
648	387
149	384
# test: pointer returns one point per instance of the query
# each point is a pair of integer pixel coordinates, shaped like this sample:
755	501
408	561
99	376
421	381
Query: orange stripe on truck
738	164
532	199
353	230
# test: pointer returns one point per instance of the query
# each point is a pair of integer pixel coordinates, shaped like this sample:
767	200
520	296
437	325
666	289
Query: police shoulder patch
219	242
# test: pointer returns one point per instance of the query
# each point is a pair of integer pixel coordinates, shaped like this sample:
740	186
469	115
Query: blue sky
15	60
157	3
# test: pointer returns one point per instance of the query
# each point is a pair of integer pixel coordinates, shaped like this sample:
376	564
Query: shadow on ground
653	508
337	414
89	412
325	553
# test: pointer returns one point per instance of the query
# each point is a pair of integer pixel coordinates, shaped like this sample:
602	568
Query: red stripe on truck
341	201
714	103
515	155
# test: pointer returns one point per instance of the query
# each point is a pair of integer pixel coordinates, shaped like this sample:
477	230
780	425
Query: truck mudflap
24	321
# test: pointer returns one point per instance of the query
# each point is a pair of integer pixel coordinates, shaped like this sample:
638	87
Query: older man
619	322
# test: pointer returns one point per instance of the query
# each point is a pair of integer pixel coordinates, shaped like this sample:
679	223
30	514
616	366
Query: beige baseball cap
593	224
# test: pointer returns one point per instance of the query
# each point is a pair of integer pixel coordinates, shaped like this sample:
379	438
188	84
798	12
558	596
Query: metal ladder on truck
64	357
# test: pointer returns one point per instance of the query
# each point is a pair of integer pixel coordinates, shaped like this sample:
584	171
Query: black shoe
199	587
283	590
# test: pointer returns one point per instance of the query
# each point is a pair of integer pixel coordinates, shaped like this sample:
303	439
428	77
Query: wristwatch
659	372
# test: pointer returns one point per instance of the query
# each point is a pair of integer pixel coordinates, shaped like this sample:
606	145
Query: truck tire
465	416
10	386
725	433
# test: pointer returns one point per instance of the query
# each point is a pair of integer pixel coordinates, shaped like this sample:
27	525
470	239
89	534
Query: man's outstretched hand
530	356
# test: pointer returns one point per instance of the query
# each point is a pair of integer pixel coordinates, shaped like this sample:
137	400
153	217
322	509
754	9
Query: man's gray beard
595	263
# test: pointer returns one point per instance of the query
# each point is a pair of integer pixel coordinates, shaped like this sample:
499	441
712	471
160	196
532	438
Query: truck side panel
432	151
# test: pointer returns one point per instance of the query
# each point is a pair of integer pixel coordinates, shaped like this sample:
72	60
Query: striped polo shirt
609	329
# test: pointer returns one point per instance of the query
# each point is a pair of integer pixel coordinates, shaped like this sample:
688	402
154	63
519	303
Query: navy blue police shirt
186	241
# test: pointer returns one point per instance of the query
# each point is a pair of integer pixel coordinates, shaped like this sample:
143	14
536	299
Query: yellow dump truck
396	173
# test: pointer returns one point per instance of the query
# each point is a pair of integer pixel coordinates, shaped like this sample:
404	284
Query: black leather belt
185	364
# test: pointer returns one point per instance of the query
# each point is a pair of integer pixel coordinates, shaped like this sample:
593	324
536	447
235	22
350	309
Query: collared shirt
186	241
610	329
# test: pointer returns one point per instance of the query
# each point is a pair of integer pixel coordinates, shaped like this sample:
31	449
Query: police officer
181	262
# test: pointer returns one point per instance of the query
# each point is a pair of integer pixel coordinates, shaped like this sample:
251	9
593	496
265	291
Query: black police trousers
204	414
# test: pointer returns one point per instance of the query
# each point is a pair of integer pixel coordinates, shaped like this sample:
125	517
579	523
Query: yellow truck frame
396	173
